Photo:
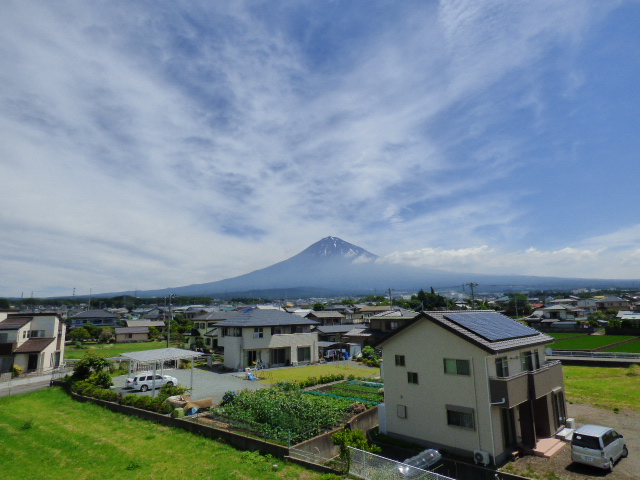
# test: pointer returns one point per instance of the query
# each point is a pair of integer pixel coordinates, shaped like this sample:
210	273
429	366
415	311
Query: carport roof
161	354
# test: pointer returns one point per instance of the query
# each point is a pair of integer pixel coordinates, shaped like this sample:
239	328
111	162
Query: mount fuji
332	266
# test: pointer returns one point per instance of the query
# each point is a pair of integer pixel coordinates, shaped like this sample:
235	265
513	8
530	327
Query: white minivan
598	446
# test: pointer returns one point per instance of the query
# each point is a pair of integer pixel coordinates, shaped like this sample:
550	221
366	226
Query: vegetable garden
284	414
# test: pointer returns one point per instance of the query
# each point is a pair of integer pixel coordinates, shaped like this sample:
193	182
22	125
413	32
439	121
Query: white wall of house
263	341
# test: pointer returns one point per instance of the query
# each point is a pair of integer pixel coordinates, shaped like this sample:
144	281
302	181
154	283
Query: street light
171	295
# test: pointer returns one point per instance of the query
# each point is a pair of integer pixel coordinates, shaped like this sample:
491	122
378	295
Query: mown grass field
589	342
631	347
604	387
111	349
48	435
302	373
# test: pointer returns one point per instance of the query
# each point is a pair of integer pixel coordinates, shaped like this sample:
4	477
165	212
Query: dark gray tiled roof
439	318
334	328
215	316
95	314
265	318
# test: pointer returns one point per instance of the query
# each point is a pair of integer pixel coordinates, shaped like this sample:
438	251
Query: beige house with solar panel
472	383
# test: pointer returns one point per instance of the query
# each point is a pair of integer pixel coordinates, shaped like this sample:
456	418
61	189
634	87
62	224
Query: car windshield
586	441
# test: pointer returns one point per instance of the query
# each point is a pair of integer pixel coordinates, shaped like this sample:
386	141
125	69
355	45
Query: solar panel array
491	326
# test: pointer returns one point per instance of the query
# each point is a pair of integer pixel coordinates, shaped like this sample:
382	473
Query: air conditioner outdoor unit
480	456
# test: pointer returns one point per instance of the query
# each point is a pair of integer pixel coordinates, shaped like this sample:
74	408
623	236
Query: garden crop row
289	416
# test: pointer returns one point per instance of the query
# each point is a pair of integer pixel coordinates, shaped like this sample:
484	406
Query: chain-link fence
370	466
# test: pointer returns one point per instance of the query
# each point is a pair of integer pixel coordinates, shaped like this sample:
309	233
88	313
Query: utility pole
473	298
171	295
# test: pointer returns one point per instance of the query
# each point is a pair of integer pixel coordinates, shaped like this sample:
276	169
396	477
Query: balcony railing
510	391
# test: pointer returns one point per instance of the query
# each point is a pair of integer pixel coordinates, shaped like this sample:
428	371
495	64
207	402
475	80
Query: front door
33	361
526	424
508	428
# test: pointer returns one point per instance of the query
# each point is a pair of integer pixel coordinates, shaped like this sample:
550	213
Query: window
399	360
257	332
456	367
412	377
4	338
304	354
276	331
460	417
393	325
530	361
502	367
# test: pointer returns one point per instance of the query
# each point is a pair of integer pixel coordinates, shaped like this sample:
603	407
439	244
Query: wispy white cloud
150	145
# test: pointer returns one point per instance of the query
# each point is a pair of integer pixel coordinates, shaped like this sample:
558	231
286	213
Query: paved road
206	383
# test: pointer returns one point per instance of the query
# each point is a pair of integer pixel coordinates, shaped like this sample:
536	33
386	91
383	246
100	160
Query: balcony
510	391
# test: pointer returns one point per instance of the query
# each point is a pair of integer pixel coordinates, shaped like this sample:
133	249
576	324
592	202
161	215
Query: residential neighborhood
477	385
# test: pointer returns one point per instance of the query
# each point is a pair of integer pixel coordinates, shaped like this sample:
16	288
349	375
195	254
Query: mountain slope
332	266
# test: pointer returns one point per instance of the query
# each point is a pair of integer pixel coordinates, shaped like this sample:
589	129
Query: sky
155	144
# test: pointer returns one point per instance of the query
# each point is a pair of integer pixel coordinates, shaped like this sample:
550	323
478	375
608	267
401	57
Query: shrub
184	364
129	400
228	398
352	438
634	370
16	370
143	402
102	379
167	391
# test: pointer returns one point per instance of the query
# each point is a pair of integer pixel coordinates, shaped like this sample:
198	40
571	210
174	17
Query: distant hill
332	266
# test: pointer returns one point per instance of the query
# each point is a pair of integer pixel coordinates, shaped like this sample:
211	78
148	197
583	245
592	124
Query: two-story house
98	317
204	328
34	342
270	337
326	317
612	303
473	383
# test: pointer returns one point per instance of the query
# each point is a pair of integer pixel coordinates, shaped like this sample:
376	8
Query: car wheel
625	452
144	388
170	383
611	464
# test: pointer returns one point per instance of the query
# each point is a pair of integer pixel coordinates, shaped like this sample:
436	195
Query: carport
149	360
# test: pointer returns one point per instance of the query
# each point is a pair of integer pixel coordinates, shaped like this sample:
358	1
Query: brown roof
34	345
14	323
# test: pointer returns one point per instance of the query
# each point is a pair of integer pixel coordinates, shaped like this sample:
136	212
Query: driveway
206	383
626	422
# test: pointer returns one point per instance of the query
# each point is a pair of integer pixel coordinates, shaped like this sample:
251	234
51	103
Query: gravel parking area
626	423
206	383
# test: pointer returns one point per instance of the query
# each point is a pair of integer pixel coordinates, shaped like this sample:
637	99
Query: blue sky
158	144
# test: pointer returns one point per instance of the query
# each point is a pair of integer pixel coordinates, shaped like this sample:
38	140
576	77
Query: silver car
143	381
598	446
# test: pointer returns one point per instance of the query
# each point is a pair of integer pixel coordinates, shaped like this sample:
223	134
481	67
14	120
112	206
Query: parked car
143	381
598	446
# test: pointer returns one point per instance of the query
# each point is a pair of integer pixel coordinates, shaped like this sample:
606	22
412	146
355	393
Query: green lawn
302	373
605	387
111	349
631	347
589	342
47	435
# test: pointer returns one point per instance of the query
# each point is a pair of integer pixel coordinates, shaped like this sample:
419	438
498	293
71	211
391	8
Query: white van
598	446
